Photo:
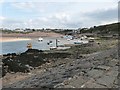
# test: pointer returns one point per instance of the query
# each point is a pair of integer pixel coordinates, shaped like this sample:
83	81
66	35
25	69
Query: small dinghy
40	39
58	40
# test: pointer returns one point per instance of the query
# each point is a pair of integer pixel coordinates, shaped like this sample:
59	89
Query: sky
57	14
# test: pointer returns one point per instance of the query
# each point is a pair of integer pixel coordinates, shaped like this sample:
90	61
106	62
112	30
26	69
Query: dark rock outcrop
28	60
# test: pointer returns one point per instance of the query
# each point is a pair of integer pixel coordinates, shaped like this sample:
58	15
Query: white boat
68	39
81	42
40	39
78	42
58	40
52	48
91	38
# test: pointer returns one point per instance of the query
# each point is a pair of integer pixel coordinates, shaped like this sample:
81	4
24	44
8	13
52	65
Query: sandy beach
12	39
22	37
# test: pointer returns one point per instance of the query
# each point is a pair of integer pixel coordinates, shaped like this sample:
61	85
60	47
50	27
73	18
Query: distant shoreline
32	35
13	39
22	37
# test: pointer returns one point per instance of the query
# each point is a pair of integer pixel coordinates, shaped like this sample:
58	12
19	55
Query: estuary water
20	46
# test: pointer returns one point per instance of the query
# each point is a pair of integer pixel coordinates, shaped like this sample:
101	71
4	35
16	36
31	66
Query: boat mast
56	43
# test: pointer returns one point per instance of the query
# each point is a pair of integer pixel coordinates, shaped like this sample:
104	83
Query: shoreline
22	37
13	39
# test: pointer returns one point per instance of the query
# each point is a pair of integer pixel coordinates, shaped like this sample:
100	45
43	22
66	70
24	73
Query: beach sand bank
5	37
12	39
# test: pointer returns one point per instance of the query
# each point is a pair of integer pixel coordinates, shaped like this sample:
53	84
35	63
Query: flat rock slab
113	62
68	86
95	73
91	84
116	68
94	85
106	80
116	81
78	81
112	73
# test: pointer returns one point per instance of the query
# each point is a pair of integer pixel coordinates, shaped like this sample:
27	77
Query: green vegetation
66	31
109	29
7	31
103	29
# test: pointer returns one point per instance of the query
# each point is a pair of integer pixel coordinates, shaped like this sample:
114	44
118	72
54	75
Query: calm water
20	46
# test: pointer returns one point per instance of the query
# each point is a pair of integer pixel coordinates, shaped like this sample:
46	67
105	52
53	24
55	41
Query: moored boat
40	39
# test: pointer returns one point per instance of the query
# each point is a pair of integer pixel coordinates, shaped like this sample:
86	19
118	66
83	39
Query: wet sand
12	39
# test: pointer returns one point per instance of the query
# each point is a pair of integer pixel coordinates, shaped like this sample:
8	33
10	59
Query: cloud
29	6
63	20
103	15
59	19
68	20
23	5
2	18
1	1
61	0
12	23
63	17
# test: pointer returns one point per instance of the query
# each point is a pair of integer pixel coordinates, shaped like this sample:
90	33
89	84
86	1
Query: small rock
103	68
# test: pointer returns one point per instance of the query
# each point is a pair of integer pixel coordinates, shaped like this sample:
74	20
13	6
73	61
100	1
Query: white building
19	30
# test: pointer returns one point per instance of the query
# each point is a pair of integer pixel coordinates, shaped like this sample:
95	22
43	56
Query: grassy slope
103	29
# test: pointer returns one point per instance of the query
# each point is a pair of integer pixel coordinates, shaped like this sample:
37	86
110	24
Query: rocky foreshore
28	60
93	65
97	70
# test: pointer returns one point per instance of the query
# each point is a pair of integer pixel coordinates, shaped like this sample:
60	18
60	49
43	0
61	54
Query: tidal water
20	46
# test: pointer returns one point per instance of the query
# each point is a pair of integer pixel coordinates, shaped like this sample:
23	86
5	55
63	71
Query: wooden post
56	43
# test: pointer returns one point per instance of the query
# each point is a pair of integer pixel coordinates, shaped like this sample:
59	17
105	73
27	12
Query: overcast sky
57	14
